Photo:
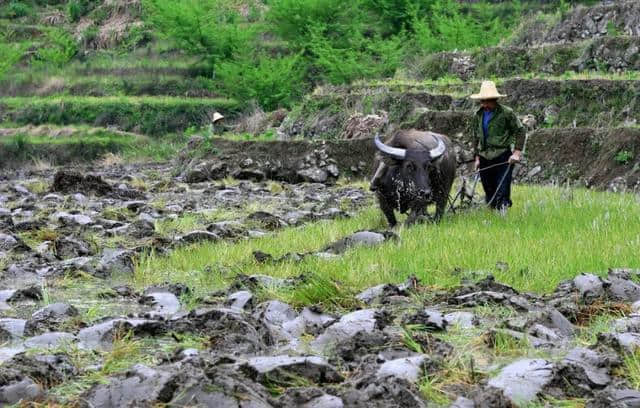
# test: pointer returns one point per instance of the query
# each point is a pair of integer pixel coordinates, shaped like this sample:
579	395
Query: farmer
496	129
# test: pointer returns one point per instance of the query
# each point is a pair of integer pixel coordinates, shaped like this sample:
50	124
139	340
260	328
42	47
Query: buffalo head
409	178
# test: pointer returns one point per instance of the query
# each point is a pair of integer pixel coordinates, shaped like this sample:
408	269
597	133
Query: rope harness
464	196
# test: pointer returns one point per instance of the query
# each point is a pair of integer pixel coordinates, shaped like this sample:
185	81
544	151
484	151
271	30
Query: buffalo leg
416	214
388	211
441	205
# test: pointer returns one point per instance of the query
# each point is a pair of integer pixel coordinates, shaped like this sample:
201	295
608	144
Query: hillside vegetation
270	53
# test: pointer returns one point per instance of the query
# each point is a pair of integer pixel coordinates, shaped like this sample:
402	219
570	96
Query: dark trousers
496	181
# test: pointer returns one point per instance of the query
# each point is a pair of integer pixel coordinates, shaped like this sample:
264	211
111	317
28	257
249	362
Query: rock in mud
70	248
241	300
623	289
45	369
8	242
582	371
8	296
248	174
615	398
189	383
141	229
227	229
50	340
410	368
275	312
462	402
393	393
430	319
309	398
518	336
464	320
627	342
589	286
230	330
360	346
266	220
72	220
115	261
522	380
380	294
627	324
49	318
101	335
364	238
348	326
11	329
198	236
488	284
254	282
165	304
280	368
18	388
483	298
73	182
140	386
197	174
313	175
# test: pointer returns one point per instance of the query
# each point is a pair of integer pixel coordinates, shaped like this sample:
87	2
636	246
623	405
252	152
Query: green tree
11	54
58	49
211	29
272	82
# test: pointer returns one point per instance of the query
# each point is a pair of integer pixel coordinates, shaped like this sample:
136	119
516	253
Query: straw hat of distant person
216	117
487	91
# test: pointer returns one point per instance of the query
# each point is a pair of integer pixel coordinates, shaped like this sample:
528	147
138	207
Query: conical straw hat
488	91
216	117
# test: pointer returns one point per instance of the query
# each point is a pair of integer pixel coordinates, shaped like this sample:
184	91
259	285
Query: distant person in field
496	131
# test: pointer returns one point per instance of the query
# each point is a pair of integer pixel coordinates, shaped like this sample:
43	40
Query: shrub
17	9
211	29
59	48
297	21
446	28
11	54
398	14
362	58
76	9
623	157
271	82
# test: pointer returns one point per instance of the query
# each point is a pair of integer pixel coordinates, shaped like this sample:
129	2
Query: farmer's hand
516	157
476	165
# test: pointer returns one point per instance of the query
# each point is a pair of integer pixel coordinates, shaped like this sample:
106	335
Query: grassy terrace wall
147	115
106	85
597	103
81	146
603	54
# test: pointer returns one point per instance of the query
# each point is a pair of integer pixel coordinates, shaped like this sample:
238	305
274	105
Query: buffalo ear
438	150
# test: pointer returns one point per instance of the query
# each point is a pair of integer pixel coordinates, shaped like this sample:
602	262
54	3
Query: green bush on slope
327	41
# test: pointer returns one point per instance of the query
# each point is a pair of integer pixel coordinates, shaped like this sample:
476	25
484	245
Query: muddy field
69	243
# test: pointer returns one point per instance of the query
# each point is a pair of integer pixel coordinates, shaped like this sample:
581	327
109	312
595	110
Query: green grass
631	369
85	144
69	83
544	240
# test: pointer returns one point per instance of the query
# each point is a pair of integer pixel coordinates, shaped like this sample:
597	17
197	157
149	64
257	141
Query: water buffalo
415	169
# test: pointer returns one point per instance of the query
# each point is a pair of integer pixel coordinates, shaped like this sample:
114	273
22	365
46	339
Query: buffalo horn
438	150
394	152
